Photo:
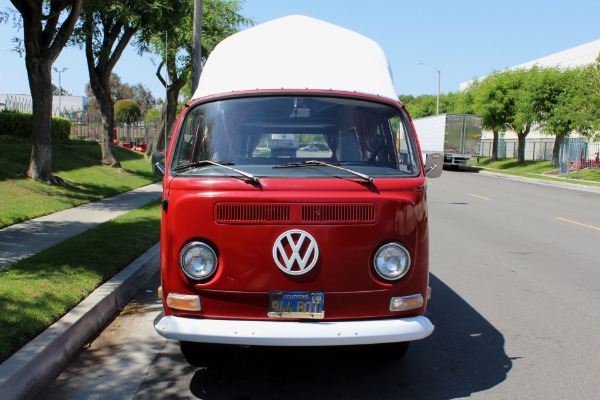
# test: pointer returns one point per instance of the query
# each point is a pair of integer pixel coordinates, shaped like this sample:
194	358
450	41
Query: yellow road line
578	223
479	197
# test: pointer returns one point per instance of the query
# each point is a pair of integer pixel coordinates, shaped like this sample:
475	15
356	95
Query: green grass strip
78	163
37	291
541	170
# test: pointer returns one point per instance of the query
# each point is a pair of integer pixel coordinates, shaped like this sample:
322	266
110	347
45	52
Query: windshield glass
273	136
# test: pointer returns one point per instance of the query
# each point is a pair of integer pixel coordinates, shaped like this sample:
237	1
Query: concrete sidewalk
33	366
30	237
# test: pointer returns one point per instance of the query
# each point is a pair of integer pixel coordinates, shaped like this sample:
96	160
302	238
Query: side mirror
434	164
158	163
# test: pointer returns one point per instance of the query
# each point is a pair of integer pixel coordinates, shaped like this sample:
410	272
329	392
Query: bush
61	128
151	118
18	124
127	111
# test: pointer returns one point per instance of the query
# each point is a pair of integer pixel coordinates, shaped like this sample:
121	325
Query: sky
463	39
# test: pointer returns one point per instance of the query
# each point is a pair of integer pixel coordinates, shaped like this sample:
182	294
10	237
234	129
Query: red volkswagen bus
294	205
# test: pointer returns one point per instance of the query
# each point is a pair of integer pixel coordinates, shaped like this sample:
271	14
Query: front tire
197	354
393	351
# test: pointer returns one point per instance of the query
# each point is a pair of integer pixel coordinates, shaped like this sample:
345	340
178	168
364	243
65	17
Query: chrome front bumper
290	333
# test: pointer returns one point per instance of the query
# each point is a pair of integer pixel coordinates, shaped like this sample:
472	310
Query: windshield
273	136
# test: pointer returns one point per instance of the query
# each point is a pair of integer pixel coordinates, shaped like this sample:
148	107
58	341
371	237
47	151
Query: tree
151	117
221	18
118	89
488	101
556	95
591	108
507	100
47	27
127	111
420	106
60	92
106	29
521	91
123	91
143	97
458	103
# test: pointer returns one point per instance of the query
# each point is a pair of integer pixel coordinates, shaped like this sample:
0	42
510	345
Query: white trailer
283	144
458	136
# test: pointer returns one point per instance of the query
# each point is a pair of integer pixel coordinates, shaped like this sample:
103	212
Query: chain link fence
130	132
578	154
535	149
574	153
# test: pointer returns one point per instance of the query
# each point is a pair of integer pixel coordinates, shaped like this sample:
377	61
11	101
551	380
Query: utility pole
197	56
437	104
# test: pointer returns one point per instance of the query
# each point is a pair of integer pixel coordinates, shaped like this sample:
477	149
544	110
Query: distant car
310	147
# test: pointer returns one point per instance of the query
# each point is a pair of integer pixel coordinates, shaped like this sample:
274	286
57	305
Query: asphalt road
515	273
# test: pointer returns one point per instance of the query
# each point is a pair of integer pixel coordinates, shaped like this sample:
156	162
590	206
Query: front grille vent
346	213
256	213
252	213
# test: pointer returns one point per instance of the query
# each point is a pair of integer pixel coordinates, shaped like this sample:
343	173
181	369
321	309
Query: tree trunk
522	136
101	88
169	107
44	40
495	146
40	82
106	142
521	149
100	66
158	142
556	149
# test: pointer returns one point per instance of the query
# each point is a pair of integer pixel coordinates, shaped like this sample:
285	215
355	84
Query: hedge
18	124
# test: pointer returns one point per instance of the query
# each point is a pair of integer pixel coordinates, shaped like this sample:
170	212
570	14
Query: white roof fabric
297	52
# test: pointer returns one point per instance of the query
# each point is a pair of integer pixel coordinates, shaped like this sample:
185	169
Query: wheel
392	351
197	354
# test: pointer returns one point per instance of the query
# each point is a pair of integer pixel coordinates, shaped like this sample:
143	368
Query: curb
543	182
40	360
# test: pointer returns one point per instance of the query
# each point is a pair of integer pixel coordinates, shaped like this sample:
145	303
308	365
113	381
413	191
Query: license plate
296	305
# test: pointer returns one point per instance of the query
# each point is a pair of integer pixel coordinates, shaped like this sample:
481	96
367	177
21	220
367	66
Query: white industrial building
570	58
61	105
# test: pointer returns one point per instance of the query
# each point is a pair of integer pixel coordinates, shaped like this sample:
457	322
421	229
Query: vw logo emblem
295	252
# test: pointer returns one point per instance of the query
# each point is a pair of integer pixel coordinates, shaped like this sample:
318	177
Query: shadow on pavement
464	355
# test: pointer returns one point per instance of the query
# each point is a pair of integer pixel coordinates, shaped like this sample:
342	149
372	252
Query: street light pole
59	87
437	104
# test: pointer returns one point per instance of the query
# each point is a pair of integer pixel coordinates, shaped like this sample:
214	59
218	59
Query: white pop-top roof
297	52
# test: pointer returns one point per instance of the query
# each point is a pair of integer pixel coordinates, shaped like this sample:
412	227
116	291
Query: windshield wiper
316	162
226	165
195	164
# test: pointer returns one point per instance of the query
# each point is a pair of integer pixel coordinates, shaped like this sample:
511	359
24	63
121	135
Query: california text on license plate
296	305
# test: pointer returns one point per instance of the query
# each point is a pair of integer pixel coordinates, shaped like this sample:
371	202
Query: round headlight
392	261
198	260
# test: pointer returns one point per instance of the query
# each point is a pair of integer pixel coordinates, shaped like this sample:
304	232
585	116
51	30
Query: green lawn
78	163
36	291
